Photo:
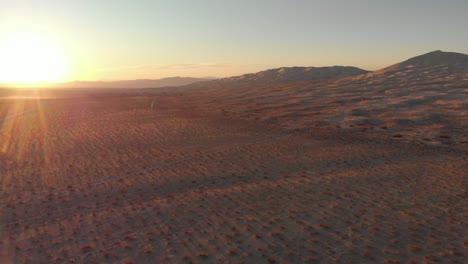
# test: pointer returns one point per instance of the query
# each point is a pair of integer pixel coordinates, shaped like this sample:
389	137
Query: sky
117	40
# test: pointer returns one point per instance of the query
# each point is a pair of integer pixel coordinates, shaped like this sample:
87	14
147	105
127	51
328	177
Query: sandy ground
421	104
157	179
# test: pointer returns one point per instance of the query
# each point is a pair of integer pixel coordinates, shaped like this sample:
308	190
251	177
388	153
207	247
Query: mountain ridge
292	74
424	65
428	64
437	57
125	84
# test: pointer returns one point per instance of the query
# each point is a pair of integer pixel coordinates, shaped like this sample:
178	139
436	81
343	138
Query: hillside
288	74
430	65
423	99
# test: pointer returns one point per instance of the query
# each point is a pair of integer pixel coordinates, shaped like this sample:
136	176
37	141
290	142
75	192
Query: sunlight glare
29	58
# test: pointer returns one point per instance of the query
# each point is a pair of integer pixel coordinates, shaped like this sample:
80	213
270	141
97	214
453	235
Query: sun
30	58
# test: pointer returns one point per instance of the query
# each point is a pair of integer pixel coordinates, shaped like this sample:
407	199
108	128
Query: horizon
205	78
56	42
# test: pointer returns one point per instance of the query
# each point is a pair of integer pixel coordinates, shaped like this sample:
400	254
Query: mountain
451	59
141	83
128	84
429	66
291	74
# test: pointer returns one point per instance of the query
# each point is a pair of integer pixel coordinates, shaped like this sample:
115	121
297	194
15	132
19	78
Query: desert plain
361	169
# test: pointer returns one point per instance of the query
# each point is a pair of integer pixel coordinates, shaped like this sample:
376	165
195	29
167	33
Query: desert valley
289	165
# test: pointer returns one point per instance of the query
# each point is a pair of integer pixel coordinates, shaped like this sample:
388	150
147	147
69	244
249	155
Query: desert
233	131
235	175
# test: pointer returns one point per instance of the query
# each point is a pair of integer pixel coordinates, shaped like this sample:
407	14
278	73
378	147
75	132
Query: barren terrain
423	100
166	178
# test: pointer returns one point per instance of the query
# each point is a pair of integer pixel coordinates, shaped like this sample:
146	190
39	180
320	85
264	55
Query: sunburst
30	58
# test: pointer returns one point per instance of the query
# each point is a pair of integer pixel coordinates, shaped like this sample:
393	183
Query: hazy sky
151	39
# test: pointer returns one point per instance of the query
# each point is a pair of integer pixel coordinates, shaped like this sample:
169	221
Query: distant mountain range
449	62
141	83
126	84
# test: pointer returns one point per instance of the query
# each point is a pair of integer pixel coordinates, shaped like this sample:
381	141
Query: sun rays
23	130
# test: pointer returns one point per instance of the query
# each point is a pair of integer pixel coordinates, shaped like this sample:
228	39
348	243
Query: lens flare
23	131
30	58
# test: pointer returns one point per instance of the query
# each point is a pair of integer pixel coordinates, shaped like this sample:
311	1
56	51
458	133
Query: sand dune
423	99
289	74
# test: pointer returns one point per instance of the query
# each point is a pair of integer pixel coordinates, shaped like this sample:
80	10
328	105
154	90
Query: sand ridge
421	100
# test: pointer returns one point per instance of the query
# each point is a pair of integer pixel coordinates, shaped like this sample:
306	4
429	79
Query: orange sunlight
28	58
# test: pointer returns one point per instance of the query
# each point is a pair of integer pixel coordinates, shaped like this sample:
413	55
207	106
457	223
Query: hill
429	65
292	74
421	99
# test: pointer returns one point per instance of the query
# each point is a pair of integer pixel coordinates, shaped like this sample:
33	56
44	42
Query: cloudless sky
115	39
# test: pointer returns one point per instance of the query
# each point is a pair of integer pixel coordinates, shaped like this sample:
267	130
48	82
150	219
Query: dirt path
155	178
